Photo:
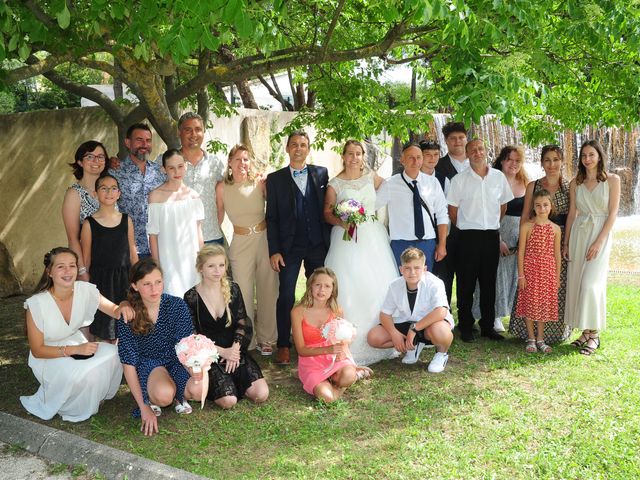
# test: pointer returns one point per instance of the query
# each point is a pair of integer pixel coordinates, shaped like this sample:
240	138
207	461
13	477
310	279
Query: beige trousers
249	257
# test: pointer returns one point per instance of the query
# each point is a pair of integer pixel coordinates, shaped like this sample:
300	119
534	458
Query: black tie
417	212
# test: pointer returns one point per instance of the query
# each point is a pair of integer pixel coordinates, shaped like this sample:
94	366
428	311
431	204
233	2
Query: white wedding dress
364	268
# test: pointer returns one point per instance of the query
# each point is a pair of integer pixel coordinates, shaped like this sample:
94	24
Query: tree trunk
244	90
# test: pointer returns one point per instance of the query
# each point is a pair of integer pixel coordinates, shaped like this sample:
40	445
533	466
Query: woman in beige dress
242	197
594	200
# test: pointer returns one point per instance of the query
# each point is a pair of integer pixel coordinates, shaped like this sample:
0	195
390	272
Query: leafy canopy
572	62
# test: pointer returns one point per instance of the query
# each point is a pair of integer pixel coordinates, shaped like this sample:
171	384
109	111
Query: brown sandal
590	345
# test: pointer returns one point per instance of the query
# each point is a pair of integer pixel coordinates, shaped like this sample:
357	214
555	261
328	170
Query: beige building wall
34	175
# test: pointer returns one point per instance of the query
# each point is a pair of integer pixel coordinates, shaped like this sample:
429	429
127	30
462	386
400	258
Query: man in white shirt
454	162
204	171
415	313
477	202
417	209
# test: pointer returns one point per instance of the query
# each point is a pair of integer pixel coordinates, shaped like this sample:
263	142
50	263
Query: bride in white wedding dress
363	265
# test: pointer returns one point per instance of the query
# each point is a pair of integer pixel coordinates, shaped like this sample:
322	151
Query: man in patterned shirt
137	176
204	170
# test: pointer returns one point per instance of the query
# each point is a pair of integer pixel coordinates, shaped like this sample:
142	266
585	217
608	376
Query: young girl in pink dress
326	369
539	272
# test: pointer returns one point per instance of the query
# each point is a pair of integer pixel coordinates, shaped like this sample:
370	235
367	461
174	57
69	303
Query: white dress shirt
459	166
431	295
479	199
447	182
399	198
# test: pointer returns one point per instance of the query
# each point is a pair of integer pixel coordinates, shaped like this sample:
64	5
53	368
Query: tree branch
85	91
276	93
332	27
97	65
239	69
40	15
36	67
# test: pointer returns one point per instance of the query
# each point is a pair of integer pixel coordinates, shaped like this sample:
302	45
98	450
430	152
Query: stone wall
34	173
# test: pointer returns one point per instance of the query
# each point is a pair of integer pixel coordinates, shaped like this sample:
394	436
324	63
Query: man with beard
137	176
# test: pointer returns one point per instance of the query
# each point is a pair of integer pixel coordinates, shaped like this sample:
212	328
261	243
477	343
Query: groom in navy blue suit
296	230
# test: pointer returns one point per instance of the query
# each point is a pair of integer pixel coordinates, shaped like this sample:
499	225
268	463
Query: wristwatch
413	327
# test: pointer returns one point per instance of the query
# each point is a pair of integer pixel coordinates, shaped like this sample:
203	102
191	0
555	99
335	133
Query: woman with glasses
80	200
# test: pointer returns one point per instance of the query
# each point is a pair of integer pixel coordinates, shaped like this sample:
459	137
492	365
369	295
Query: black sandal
581	341
588	349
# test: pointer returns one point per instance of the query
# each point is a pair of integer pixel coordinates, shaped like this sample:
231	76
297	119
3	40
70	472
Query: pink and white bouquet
198	353
338	330
351	212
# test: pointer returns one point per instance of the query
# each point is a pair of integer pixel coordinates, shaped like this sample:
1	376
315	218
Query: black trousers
446	268
476	259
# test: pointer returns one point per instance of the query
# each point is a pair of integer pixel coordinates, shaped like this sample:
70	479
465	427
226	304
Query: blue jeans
427	246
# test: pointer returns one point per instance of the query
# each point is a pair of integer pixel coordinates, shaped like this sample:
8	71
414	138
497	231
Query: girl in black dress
217	310
109	250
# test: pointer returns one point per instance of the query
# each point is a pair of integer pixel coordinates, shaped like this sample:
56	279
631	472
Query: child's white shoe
412	356
438	362
498	326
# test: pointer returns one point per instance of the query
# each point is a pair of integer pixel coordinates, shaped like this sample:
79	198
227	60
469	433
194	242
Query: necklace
59	299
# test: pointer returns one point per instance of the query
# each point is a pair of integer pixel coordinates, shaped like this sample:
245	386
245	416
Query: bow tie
299	173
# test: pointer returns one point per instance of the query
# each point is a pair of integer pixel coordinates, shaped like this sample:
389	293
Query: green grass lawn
496	412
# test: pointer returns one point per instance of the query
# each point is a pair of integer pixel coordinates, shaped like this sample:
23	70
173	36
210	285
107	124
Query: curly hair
307	298
214	250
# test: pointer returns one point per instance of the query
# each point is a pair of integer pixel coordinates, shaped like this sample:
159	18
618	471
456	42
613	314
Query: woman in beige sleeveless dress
243	200
594	199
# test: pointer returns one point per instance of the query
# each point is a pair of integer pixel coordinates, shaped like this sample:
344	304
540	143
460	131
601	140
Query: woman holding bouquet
363	264
218	312
147	348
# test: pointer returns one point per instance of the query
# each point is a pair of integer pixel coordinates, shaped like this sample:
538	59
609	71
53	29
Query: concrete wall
34	175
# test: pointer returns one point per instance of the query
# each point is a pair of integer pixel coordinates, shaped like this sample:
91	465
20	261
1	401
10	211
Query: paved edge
62	447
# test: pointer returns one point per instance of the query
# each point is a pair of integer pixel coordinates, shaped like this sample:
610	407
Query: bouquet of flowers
351	212
338	330
198	353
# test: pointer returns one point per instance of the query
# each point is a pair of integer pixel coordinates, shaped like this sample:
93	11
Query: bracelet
63	350
82	270
521	278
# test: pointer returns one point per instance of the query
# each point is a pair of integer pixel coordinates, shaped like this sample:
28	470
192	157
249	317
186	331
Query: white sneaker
412	356
438	362
497	325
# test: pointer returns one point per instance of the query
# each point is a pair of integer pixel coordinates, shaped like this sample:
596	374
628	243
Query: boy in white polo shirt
415	313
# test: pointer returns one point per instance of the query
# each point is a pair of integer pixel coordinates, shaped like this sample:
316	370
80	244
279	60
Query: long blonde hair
207	252
307	298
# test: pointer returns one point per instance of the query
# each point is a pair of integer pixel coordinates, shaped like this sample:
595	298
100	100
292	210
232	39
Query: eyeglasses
109	189
94	158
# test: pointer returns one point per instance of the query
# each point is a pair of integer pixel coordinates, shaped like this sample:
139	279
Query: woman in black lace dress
218	312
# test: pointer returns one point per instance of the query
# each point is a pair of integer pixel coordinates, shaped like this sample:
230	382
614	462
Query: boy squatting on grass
415	309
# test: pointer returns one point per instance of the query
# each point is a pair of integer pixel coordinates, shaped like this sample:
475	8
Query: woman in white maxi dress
70	387
364	265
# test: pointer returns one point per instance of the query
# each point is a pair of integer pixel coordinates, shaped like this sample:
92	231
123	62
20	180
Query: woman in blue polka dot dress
147	347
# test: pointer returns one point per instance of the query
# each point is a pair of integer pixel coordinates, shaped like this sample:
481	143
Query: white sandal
183	408
156	409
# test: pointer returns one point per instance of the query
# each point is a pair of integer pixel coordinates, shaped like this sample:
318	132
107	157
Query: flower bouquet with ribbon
338	330
198	353
352	213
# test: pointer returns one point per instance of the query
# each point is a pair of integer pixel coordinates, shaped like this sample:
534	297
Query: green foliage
575	63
